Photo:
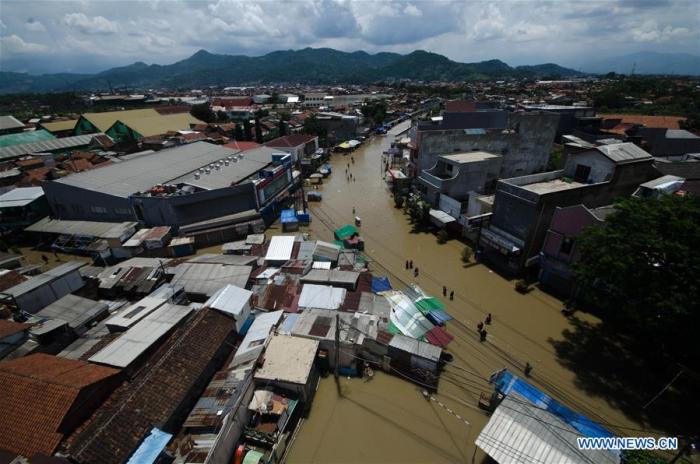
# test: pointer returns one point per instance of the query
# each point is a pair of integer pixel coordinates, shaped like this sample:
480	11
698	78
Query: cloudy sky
92	35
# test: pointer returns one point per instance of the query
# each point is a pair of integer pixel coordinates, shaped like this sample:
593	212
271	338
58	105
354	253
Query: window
98	209
582	173
566	245
134	312
122	211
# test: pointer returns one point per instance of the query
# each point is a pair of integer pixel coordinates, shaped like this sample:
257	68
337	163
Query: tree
442	236
221	116
375	111
313	126
203	112
282	128
398	201
258	131
641	271
239	134
248	130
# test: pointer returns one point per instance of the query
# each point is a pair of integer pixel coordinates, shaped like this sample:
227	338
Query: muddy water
387	419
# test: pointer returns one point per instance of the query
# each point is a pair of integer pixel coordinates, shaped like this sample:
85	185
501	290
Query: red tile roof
460	106
232	101
161	394
290	141
38	392
8	328
667	122
241	145
10	279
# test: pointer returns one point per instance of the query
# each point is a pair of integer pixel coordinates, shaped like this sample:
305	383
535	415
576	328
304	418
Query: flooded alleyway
388	419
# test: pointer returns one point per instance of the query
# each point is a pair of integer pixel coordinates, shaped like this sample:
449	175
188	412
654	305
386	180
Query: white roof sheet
135	341
20	196
256	338
229	299
288	359
622	153
519	432
75	310
280	249
321	296
135	312
206	279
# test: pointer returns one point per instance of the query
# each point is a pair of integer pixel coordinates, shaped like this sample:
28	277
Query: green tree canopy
642	269
203	112
313	126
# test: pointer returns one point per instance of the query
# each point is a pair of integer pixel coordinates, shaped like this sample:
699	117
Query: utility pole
337	352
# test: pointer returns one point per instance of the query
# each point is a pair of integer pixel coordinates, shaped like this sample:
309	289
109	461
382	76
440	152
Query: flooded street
387	419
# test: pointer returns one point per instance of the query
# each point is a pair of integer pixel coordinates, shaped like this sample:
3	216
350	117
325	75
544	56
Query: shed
410	353
321	296
334	277
204	279
256	338
232	300
324	251
289	364
78	312
133	313
519	431
41	290
346	232
126	349
280	249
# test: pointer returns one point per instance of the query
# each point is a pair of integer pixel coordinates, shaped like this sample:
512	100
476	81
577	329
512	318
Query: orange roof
666	122
460	106
8	328
242	145
38	392
290	141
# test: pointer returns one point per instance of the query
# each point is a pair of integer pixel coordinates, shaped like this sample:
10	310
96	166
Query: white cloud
34	26
87	25
14	44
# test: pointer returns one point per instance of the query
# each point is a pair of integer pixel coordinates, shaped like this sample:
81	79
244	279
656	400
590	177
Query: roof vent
207	171
227	162
197	175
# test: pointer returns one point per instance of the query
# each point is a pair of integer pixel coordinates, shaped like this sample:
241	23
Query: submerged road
387	419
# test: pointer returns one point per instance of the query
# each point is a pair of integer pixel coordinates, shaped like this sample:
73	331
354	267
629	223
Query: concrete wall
525	148
528	216
602	167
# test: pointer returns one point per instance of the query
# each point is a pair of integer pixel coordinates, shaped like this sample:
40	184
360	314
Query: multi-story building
523	206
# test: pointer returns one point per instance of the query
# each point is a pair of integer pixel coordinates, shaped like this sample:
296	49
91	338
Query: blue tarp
150	448
507	382
380	284
246	325
288	216
438	316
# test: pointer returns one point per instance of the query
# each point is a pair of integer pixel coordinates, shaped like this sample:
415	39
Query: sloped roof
161	390
105	120
38	391
59	126
156	124
623	153
290	141
10	122
25	137
20	196
8	328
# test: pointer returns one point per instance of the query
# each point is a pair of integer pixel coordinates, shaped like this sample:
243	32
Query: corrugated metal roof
230	299
64	143
326	251
306	251
231	260
416	347
331	276
288	359
133	313
280	249
75	310
59	126
521	432
10	122
21	138
156	124
257	337
321	296
140	174
206	279
89	228
244	165
135	341
20	196
622	153
45	278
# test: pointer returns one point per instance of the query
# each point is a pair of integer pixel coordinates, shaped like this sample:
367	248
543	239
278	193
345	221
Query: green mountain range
307	66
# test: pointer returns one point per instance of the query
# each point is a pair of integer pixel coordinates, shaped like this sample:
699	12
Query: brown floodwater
388	419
